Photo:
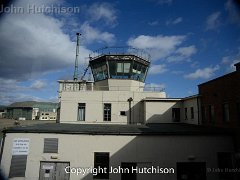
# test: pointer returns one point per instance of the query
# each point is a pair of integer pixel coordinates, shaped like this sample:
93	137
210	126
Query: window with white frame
107	112
81	111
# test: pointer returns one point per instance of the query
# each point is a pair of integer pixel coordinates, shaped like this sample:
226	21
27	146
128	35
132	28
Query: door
53	171
191	171
176	114
129	175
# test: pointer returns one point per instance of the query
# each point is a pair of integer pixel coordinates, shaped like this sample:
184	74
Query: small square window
123	113
47	171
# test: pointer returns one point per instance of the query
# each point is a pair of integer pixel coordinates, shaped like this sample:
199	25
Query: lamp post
130	109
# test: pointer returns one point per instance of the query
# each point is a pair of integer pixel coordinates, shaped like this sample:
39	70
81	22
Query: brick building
220	100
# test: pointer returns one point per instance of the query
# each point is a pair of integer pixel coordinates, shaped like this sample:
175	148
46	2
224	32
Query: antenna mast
75	76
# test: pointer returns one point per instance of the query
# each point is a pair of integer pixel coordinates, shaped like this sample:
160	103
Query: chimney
237	65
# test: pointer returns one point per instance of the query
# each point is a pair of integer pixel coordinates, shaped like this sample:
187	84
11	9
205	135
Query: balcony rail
111	88
125	50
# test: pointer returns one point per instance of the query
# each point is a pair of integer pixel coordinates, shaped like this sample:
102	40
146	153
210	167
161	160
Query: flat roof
161	99
170	99
114	129
31	104
75	81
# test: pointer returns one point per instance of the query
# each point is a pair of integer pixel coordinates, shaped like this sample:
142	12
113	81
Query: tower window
119	67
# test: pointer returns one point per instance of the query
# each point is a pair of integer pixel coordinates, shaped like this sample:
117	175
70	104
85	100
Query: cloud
168	2
154	23
33	44
154	87
233	12
7	99
14	91
204	73
38	84
187	51
158	46
232	65
195	64
94	35
175	21
158	69
229	61
177	72
225	60
9	85
213	21
103	11
182	54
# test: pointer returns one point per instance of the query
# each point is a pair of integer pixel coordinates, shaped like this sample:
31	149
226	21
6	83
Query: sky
190	42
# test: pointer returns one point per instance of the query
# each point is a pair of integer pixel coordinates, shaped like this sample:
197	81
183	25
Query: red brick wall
225	89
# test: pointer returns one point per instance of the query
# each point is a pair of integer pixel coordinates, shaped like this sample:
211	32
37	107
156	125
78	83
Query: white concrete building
118	95
64	151
115	95
172	110
113	128
114	107
48	115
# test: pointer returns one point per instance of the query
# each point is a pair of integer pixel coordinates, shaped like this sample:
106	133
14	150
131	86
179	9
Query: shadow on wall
137	114
164	152
172	114
131	154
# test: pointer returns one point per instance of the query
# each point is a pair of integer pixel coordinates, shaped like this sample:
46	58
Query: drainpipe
198	109
130	109
2	146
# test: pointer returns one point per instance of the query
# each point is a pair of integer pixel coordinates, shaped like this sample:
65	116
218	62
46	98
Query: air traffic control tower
119	68
116	95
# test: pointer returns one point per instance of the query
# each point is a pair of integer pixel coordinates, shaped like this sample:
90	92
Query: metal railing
113	88
124	50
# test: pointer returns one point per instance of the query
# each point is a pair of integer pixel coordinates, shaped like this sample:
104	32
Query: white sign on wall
20	146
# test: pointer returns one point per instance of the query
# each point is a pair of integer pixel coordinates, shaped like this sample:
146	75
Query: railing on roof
124	50
112	88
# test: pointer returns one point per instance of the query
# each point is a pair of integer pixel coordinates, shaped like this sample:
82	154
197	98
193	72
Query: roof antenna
75	76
